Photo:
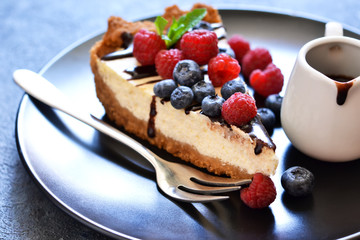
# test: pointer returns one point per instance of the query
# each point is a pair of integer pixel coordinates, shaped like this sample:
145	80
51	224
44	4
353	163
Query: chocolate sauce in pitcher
343	84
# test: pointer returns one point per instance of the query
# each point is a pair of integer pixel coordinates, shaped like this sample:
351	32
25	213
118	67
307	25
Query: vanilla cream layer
232	146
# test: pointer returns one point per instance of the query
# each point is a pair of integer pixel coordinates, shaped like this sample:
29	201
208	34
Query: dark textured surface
32	32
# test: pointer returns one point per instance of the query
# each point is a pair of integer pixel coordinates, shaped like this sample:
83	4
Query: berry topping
181	97
187	73
165	62
274	102
211	105
199	45
298	181
240	46
164	88
233	86
261	192
268	118
257	58
239	109
146	45
222	69
267	82
202	89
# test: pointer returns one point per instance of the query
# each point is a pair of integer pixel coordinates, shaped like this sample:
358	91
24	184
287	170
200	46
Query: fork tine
184	196
202	189
209	180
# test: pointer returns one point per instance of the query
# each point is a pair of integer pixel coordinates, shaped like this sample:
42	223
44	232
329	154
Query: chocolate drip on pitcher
343	85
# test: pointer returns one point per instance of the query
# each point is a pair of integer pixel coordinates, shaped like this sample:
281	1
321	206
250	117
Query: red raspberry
222	69
240	46
239	109
146	45
165	62
257	58
199	45
267	82
261	192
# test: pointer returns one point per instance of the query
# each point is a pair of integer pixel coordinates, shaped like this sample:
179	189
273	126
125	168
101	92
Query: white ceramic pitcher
321	116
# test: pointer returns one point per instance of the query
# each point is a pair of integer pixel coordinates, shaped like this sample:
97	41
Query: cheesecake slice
125	88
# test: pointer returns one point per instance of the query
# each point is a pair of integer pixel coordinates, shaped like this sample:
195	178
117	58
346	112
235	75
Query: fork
178	181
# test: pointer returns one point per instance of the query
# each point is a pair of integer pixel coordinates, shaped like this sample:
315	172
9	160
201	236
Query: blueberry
298	181
187	73
274	102
230	87
211	105
164	88
228	51
203	25
267	118
202	89
181	97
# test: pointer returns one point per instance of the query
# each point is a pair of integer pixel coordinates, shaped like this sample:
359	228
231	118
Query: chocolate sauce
139	72
127	39
164	100
343	84
194	107
149	82
151	122
258	133
220	120
128	52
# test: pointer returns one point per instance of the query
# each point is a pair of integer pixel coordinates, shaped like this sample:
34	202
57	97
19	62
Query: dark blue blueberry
187	73
267	118
164	88
231	87
228	51
274	102
298	181
211	105
181	97
202	89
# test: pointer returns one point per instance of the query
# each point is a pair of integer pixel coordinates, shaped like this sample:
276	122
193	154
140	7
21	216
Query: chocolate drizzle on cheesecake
193	107
139	72
151	122
255	130
258	133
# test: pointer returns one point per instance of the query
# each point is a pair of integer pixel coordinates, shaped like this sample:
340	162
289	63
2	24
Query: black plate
111	189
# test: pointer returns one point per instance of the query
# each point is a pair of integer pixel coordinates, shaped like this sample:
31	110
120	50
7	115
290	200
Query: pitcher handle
333	29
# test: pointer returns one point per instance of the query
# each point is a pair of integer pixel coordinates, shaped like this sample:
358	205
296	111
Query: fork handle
41	89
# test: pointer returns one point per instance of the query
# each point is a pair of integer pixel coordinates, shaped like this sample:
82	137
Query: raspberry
239	109
240	46
146	45
261	192
257	58
267	82
222	69
165	62
199	45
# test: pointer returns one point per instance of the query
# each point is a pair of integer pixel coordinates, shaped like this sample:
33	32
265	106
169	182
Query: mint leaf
181	26
160	24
